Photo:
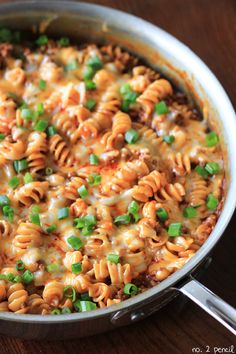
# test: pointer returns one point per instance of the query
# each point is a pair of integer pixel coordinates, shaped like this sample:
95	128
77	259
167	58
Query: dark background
208	27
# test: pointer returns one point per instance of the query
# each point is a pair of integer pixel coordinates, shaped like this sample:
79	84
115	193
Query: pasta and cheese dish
111	180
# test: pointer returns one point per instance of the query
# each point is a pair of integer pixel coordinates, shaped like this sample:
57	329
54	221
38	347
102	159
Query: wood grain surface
208	27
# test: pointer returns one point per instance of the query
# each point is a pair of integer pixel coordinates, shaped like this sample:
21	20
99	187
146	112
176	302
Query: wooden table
209	28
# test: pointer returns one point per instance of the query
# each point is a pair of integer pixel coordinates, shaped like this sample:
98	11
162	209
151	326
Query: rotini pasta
110	179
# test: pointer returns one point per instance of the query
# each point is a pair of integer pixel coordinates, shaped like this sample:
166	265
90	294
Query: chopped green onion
94	179
20	165
27	277
56	312
17	279
90	104
169	139
161	108
113	258
42	40
212	167
212	139
83	192
90	85
3	277
14	182
8	212
212	202
75	242
162	214
87	230
131	136
10	277
40	108
65	310
93	159
130	289
53	268
88	220
190	212
28	114
41	125
95	63
63	213
42	84
4	200
48	171
175	229
125	88
70	292
83	306
64	41
51	228
122	219
28	178
23	105
88	73
2	136
35	219
125	106
51	130
133	209
76	268
72	65
20	265
85	297
131	97
35	209
201	171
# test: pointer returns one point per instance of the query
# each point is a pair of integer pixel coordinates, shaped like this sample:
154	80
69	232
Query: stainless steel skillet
100	24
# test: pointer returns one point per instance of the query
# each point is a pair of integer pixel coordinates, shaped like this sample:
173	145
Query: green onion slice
212	139
113	258
161	108
190	212
90	104
75	242
53	268
83	306
122	219
63	213
51	228
93	159
175	229
94	179
70	292
162	214
83	192
27	277
169	139
41	125
42	84
4	200
212	202
76	268
212	167
130	289
20	265
28	178
14	182
131	136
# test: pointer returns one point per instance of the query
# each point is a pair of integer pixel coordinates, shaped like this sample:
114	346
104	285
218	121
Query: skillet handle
211	303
